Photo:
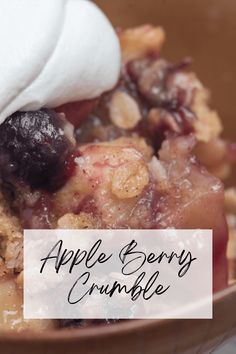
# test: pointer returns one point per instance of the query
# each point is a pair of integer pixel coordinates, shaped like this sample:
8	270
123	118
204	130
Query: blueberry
33	148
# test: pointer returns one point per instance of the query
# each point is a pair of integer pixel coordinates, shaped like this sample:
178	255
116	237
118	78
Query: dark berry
85	323
70	323
33	148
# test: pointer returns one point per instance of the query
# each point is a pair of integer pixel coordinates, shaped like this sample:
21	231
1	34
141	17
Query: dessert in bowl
136	155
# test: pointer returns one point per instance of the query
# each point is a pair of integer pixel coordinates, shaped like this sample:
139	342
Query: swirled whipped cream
53	52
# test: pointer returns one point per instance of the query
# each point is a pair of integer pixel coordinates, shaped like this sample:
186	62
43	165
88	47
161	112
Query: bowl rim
95	332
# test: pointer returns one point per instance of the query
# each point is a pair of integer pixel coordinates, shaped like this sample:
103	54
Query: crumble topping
141	41
124	111
77	221
146	156
10	240
207	125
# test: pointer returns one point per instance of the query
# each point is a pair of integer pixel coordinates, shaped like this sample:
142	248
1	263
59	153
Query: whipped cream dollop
54	52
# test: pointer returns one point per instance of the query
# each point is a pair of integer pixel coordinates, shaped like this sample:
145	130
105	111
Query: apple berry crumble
148	154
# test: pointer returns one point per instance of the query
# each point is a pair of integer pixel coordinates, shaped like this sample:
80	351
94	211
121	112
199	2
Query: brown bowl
205	30
135	337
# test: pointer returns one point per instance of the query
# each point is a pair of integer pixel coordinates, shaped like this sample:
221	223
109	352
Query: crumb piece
160	118
129	180
208	124
137	143
124	110
230	201
141	41
81	221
